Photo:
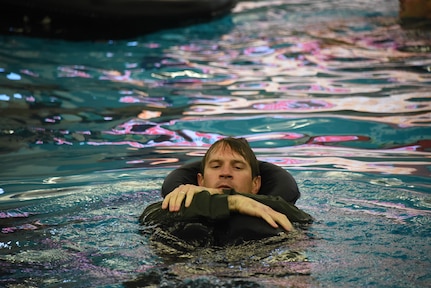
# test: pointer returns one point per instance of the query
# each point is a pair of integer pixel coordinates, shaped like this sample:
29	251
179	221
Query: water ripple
335	91
351	79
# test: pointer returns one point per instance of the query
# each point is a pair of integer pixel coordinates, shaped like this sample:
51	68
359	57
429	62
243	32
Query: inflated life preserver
104	19
238	227
275	180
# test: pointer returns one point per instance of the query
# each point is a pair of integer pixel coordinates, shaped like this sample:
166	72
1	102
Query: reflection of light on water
154	161
184	73
344	164
397	103
269	136
340	98
281	105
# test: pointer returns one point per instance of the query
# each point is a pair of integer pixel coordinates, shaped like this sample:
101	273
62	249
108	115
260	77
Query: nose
226	172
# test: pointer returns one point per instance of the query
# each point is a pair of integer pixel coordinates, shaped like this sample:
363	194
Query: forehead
225	153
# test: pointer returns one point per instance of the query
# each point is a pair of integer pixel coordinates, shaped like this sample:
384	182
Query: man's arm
203	206
247	206
174	199
184	194
277	203
274	210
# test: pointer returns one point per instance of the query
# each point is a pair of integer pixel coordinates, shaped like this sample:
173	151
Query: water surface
335	92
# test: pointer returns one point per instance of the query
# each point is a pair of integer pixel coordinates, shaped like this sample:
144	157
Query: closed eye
238	166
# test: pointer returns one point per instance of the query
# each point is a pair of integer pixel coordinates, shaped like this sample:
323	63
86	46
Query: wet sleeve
293	213
203	206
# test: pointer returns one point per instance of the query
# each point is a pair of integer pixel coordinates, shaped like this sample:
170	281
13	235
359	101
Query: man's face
227	169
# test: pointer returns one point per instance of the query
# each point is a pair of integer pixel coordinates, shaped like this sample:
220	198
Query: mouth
224	186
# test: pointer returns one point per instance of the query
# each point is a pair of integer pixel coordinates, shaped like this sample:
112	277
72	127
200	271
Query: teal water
335	92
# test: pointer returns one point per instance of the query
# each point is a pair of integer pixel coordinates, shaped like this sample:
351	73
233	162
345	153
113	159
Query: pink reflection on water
337	138
154	161
293	105
166	137
155	102
12	214
321	88
274	136
421	145
29	73
53	119
28	226
73	71
129	99
133	144
60	141
289	161
84	132
345	164
309	46
396	211
395	104
258	51
125	76
322	157
30	99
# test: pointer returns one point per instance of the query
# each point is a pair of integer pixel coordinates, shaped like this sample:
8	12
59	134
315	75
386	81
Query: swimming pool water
335	92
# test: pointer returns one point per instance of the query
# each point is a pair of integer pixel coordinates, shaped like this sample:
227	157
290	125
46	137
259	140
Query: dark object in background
415	14
104	19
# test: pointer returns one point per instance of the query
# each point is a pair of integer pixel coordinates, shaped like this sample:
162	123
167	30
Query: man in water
226	198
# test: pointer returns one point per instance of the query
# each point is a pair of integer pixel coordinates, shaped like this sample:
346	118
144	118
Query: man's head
230	163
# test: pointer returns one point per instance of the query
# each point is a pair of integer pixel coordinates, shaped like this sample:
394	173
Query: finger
189	198
269	220
165	203
178	200
285	223
276	218
190	193
170	199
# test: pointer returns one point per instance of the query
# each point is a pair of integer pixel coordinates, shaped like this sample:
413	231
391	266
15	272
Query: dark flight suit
208	221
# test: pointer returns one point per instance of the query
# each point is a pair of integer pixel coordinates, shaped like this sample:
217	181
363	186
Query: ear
200	179
256	184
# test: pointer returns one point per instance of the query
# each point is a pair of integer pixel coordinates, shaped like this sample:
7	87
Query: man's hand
251	207
174	199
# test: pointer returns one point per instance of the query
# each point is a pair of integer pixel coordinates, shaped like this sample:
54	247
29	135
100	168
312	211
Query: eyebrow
234	161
